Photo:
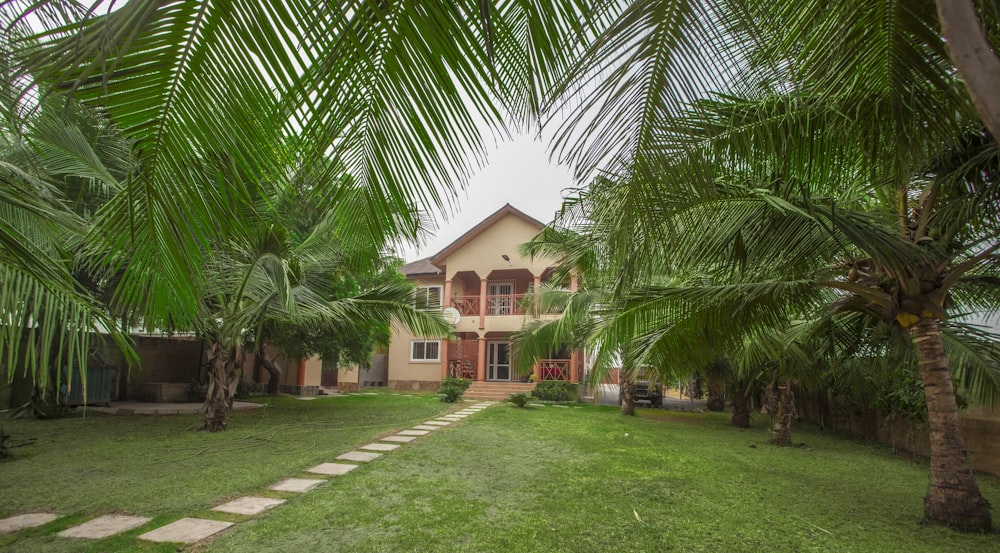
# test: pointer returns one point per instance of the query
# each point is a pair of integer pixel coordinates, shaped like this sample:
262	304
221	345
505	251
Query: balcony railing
506	304
466	305
554	369
501	304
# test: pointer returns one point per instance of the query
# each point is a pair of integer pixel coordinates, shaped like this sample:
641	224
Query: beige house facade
483	285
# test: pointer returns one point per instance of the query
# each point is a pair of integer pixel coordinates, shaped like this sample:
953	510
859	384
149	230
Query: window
425	350
427	297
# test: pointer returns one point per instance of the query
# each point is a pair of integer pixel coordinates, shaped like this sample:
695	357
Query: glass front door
498	361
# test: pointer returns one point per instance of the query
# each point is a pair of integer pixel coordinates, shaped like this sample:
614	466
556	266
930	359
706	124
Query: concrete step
497	390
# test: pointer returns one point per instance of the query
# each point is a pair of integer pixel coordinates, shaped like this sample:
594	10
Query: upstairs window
427	297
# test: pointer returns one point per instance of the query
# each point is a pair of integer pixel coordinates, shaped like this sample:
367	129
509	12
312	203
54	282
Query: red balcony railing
466	305
554	369
506	304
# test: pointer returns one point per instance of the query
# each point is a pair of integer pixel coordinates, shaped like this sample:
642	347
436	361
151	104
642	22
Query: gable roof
440	257
420	267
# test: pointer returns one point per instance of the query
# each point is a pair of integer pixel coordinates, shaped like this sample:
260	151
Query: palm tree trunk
781	433
953	497
716	395
223	377
626	393
973	56
272	368
741	405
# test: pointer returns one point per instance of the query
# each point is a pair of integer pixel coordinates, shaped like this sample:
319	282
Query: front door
498	361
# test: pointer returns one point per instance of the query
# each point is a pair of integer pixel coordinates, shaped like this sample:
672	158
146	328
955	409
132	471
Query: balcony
499	304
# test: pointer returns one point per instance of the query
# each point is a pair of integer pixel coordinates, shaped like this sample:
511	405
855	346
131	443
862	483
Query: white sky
518	173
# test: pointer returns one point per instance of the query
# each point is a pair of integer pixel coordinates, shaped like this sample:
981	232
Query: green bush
520	399
451	389
555	390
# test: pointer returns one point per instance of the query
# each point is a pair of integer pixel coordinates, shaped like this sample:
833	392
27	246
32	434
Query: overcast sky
519	173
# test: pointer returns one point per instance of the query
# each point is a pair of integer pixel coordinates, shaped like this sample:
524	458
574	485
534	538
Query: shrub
555	390
451	389
520	399
245	388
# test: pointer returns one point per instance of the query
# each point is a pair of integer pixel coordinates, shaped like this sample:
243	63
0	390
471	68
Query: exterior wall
402	369
482	253
347	379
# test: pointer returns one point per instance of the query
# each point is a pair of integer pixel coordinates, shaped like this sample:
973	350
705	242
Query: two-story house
484	285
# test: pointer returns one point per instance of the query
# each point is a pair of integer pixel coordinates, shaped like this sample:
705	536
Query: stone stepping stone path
413	432
380	447
332	469
249	505
296	485
104	526
17	523
426	427
186	530
360	456
193	530
399	439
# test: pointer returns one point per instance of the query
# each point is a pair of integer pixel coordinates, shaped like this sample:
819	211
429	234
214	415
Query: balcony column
302	372
481	361
444	358
446	300
482	304
538	293
537	370
574	371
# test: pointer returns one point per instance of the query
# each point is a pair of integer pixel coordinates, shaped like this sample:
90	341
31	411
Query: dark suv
647	388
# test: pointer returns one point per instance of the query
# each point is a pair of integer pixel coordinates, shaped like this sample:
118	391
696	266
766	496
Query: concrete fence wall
980	428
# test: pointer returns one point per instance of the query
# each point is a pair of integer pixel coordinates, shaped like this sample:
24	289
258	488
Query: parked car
647	388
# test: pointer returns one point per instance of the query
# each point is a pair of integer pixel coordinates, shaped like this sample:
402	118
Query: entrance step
497	390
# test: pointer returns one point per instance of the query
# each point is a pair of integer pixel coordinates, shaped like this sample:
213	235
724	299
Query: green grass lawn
160	467
506	479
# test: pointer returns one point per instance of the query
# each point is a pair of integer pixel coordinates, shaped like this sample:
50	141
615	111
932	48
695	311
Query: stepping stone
186	530
438	423
562	406
380	447
297	485
413	432
332	469
310	398
426	427
369	394
104	526
249	505
17	523
360	456
399	439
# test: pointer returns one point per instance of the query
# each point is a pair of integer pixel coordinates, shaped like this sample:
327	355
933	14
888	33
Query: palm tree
381	86
275	276
57	162
747	152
